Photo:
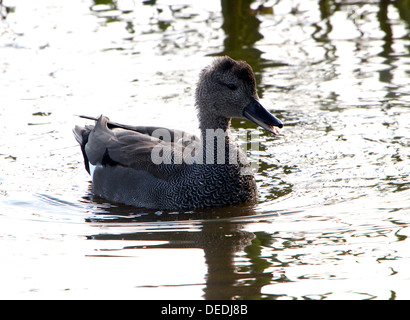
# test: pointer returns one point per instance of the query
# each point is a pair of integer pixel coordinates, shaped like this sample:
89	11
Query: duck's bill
255	112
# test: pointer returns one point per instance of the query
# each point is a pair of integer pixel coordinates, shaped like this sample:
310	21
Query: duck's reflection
221	239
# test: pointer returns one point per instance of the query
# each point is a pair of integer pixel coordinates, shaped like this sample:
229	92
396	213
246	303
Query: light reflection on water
332	220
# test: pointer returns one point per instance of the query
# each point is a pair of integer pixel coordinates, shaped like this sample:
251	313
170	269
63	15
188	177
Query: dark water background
334	214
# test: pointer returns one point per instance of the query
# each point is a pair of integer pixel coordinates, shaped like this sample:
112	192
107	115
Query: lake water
333	218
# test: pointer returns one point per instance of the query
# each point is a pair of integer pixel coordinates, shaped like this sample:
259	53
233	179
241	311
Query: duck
168	169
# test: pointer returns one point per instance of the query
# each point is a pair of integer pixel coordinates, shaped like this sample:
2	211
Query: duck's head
227	89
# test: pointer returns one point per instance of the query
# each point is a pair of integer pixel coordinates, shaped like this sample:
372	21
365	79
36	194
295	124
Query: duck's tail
81	134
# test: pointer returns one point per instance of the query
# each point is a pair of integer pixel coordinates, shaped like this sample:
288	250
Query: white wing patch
92	169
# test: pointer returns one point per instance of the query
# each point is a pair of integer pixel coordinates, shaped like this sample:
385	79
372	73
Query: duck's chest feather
210	185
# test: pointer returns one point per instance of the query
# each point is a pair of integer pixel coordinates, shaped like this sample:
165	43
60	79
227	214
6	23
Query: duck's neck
213	122
216	138
215	126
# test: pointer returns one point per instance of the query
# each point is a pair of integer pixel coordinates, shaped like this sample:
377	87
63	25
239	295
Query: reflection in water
220	239
241	25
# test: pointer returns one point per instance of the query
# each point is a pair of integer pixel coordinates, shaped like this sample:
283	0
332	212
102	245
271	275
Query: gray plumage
192	172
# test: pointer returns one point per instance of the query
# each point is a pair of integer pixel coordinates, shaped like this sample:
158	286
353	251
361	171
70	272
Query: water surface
333	217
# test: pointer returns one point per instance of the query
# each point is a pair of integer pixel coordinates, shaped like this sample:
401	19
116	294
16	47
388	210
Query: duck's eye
231	86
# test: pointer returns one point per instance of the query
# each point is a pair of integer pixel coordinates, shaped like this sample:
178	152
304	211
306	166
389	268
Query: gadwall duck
165	169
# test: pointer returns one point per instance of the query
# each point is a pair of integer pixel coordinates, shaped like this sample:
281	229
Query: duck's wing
108	143
168	135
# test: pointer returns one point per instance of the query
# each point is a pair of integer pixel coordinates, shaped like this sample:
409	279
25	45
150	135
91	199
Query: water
333	218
